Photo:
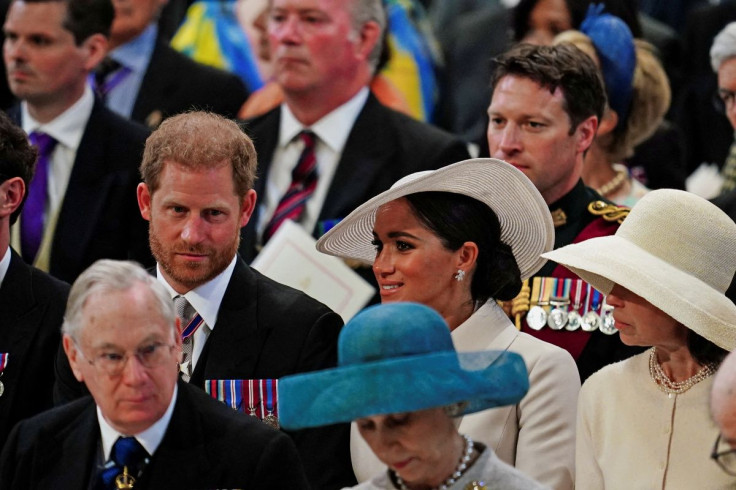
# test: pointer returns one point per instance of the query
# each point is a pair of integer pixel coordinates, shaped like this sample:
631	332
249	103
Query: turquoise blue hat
614	45
396	358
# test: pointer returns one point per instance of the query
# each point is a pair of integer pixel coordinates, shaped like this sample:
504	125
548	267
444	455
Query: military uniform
558	307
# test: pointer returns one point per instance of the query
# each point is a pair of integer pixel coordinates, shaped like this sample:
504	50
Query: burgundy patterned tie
31	221
303	183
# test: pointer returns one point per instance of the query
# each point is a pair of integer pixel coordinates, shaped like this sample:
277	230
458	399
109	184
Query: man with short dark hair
81	205
31	301
545	106
324	54
141	428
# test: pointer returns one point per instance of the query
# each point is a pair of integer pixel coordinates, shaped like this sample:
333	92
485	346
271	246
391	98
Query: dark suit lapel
154	86
234	346
367	150
68	459
18	330
181	459
85	196
264	131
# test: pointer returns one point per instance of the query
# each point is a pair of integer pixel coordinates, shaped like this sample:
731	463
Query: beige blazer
537	436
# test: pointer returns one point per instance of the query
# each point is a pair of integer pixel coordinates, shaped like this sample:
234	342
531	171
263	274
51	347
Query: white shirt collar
4	265
206	298
149	438
332	129
68	127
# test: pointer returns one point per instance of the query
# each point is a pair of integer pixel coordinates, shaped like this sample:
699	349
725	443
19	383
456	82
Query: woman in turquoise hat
401	379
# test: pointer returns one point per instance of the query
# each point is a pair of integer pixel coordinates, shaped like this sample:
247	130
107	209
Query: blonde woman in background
638	94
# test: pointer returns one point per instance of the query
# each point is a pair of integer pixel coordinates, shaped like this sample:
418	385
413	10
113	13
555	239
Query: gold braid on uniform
609	212
517	307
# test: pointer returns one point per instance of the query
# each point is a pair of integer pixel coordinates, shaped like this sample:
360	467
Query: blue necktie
126	452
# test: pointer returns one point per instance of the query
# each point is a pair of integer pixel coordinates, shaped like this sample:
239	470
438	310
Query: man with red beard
243	330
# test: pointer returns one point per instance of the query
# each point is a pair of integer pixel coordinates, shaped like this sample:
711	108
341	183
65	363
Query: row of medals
560	318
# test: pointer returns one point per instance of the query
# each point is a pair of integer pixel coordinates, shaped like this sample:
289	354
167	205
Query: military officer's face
195	218
530	129
121	332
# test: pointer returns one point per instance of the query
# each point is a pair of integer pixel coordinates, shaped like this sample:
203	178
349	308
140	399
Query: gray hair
724	46
107	276
364	11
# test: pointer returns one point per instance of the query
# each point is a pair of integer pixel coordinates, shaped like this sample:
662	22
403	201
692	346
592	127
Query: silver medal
2	388
573	321
608	324
557	319
591	321
536	318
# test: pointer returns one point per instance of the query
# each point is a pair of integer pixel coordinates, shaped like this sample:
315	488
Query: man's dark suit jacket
266	330
99	216
206	445
175	83
32	305
383	146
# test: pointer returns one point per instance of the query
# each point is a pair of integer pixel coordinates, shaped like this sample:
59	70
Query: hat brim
526	223
484	380
606	261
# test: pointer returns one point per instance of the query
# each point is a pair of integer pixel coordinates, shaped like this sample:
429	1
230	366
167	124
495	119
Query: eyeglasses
723	99
112	363
724	455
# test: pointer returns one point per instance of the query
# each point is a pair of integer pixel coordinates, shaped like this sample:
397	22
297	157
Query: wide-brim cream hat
674	249
526	223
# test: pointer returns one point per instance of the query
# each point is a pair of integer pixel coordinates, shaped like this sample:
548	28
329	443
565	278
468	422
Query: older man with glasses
141	428
723	410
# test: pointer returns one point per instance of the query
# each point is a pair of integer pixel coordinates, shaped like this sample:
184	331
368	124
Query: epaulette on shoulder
609	212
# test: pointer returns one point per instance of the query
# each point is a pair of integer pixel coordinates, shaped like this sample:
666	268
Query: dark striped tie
303	183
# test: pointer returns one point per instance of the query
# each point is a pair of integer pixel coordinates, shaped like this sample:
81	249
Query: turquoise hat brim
483	379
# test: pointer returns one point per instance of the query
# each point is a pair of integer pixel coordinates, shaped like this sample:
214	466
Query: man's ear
95	47
586	131
144	201
370	35
70	348
11	196
247	206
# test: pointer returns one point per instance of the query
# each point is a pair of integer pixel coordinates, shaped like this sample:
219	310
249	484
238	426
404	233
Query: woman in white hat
644	422
457	239
400	377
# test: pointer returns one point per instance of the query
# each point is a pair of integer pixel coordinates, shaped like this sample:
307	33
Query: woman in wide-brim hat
457	239
400	377
644	422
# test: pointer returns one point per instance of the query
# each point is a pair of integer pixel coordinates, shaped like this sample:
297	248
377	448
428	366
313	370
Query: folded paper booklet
291	258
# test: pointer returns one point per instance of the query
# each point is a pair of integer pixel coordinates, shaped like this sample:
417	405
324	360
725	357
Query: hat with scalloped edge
526	223
396	358
674	249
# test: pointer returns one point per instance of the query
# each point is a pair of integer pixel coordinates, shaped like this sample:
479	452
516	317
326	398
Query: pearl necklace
459	470
675	387
614	184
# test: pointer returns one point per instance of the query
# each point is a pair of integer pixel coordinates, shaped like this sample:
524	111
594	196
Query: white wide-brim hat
674	249
526	223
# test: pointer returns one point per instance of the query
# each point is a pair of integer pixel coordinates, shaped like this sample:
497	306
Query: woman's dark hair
456	219
703	350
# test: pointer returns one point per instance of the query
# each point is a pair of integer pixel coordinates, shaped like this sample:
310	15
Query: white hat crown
702	243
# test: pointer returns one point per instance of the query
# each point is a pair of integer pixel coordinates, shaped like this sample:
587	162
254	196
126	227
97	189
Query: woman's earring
460	276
